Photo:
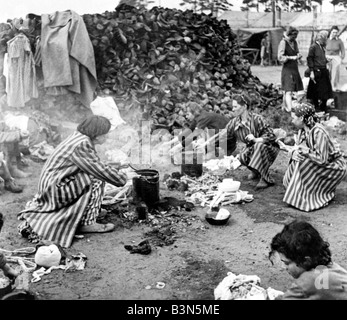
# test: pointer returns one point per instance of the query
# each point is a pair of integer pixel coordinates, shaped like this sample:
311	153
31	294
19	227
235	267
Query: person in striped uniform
316	165
261	148
71	187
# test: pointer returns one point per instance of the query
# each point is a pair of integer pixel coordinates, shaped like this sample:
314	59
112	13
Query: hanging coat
67	55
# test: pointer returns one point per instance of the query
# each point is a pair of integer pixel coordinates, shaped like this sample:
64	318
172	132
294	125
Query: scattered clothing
243	287
142	248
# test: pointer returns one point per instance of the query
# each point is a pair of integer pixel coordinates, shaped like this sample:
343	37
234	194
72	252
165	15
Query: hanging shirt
21	75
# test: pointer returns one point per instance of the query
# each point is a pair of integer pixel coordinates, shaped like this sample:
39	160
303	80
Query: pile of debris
158	60
155	61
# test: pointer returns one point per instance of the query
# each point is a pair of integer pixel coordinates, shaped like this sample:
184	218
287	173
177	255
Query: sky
20	8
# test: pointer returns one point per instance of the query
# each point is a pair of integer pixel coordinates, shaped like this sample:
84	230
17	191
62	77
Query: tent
250	38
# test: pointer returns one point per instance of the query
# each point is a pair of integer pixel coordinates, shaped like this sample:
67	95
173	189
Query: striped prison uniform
70	190
312	183
256	156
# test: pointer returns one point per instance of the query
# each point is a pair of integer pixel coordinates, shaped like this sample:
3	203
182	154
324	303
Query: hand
118	165
250	138
24	134
299	55
312	77
258	140
303	151
297	156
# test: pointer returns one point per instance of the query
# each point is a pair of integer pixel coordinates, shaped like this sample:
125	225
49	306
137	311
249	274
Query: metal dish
211	219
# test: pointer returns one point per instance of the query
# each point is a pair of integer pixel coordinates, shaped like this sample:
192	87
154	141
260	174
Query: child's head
301	247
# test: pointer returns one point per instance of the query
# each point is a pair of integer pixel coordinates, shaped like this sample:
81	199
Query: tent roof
259	30
243	19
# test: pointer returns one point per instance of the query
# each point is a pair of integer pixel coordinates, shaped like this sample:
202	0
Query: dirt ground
188	255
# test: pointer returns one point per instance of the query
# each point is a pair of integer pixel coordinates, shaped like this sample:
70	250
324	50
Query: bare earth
199	255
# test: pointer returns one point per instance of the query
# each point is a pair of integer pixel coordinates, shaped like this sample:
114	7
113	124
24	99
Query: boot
12	186
17	173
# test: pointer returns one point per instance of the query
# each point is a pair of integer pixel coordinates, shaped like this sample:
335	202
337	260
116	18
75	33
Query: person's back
213	121
210	120
307	258
321	283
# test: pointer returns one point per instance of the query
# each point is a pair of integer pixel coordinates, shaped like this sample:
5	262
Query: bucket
146	186
191	163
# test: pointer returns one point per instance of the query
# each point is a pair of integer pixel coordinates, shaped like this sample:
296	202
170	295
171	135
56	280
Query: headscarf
307	111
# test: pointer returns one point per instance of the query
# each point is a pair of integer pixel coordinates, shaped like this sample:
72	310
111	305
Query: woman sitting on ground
261	148
308	260
71	187
316	165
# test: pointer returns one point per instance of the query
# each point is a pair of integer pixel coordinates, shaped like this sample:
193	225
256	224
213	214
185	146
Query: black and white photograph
173	154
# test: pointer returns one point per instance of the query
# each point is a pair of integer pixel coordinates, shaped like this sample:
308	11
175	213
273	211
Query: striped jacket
311	184
258	156
65	189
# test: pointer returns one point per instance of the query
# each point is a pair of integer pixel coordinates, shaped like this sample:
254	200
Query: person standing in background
335	53
264	49
288	55
319	88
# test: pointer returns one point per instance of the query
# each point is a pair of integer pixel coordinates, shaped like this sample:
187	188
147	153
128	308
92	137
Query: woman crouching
261	148
316	166
71	187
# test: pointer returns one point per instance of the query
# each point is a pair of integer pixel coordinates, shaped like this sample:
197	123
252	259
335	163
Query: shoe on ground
97	228
23	163
253	176
262	184
12	186
17	173
142	248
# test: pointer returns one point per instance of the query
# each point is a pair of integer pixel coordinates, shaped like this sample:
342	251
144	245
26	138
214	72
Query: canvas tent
307	23
251	38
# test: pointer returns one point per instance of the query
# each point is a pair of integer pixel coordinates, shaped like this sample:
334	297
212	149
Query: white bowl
231	186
